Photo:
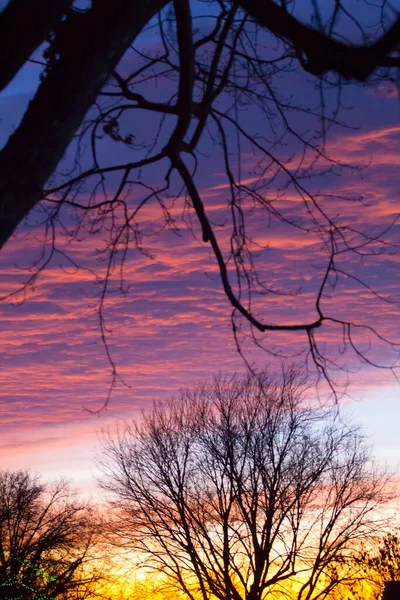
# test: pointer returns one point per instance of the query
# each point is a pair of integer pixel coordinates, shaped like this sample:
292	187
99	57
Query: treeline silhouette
236	490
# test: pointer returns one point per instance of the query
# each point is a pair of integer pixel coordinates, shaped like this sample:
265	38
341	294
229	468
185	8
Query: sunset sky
172	328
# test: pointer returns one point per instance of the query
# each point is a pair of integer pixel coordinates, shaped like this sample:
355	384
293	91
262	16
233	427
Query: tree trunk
100	38
24	25
391	590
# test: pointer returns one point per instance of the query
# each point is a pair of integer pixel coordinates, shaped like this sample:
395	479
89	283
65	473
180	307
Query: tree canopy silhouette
379	564
239	489
46	541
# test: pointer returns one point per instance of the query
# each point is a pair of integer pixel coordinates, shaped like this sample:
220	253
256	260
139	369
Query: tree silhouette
240	489
211	68
379	564
46	541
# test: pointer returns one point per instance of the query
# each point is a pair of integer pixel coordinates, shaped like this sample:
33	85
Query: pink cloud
173	326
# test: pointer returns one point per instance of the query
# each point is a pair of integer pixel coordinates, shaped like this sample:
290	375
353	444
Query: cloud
173	326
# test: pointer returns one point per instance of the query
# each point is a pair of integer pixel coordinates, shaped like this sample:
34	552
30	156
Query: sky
172	328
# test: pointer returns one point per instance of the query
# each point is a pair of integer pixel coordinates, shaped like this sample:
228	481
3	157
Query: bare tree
240	488
46	541
209	80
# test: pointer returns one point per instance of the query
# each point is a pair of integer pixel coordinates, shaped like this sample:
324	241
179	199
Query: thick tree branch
186	73
24	25
321	52
62	101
